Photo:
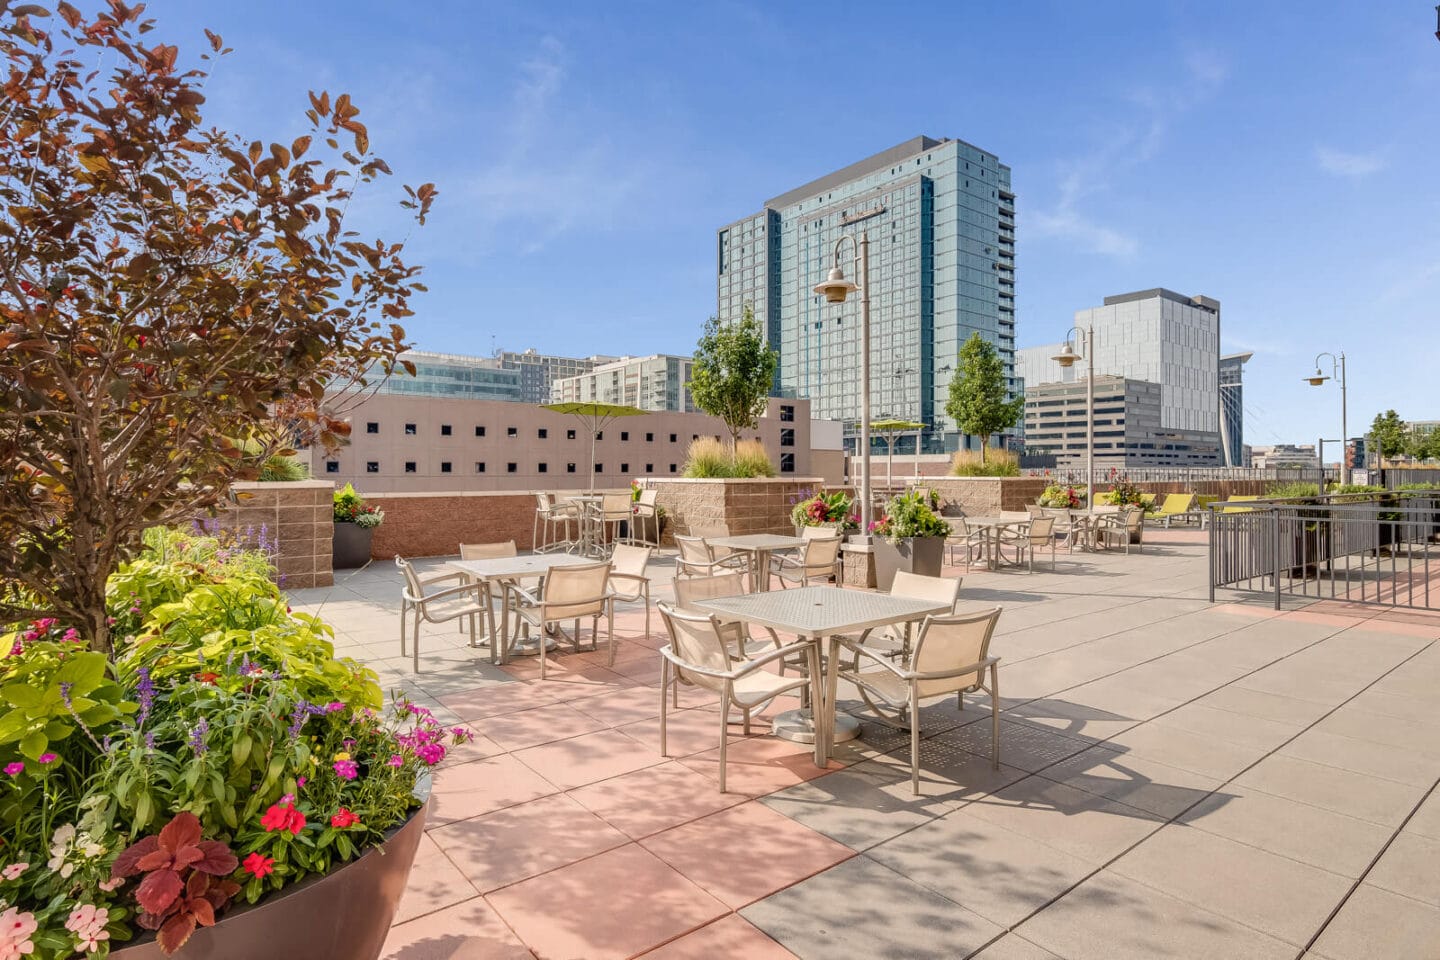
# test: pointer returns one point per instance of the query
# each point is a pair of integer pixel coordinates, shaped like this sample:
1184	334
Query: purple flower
197	737
17	768
149	739
145	690
346	769
431	753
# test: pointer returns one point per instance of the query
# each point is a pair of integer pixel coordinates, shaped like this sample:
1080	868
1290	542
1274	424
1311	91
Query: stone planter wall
718	508
297	517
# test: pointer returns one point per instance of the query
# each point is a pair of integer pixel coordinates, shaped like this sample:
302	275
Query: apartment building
657	382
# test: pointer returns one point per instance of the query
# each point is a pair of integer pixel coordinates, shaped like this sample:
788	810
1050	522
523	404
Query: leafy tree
980	402
733	372
1422	444
163	289
1389	433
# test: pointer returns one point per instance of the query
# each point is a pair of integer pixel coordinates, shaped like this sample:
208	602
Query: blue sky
1278	156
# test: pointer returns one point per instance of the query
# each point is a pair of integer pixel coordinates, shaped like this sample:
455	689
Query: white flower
59	848
91	849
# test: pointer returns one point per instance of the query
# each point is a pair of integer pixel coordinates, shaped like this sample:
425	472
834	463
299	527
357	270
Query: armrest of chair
444	594
526	595
975	667
778	653
861	651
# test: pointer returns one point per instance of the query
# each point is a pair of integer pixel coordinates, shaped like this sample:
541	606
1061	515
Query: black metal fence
1108	475
1375	549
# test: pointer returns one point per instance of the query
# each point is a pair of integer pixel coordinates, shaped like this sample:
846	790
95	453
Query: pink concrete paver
609	907
497	699
732	938
745	853
471	789
654	799
466	931
435	883
581	760
530	728
519	842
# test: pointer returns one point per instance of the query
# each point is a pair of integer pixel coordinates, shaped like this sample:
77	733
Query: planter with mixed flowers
910	537
355	523
835	510
221	758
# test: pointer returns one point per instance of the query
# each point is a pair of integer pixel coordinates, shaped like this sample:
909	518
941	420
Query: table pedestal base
799	726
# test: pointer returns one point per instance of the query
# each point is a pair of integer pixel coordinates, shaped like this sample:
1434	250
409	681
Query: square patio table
511	568
759	546
992	527
816	614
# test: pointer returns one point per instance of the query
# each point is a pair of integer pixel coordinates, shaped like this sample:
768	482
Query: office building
454	376
940	219
658	382
538	371
412	444
1284	456
1129	428
1155	336
1232	408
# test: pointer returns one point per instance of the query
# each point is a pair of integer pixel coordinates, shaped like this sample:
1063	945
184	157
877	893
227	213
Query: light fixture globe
836	288
1318	379
1067	356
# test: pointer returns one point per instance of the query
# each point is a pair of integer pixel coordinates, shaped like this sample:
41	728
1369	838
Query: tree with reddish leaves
165	291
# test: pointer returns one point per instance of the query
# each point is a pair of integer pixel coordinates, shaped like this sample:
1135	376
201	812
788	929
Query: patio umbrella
595	416
890	429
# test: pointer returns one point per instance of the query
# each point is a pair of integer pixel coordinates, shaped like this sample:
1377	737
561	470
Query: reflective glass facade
940	219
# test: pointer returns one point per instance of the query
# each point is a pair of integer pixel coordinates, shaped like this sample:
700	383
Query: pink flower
334	706
346	769
88	922
300	782
15	769
111	885
289	798
431	753
47	758
395	761
15	930
343	818
14	870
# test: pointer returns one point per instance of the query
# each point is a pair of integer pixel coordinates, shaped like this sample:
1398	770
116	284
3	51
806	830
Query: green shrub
1292	490
350	507
836	508
282	468
999	463
709	459
909	515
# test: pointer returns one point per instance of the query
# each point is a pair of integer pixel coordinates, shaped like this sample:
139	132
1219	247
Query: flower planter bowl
919	555
351	546
344	913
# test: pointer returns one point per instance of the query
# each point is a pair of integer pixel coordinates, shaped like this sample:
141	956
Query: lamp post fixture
1337	372
835	289
1067	356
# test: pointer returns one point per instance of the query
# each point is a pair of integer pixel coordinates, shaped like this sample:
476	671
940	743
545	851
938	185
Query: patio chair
568	593
698	559
952	655
488	551
645	509
699	655
961	536
435	607
1120	527
1177	506
615	510
736	633
1038	536
627	565
820	558
912	586
548	516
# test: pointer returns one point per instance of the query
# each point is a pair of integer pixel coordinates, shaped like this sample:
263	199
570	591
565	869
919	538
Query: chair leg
724	731
746	721
915	740
610	631
544	646
645	592
415	644
994	717
404	606
664	695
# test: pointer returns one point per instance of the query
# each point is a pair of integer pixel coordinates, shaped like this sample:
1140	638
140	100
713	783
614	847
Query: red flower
343	818
207	677
260	866
283	816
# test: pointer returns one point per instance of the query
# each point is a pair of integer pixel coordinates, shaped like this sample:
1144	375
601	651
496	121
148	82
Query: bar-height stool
549	515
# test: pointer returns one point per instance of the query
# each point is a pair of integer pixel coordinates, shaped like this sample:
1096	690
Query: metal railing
1108	475
1357	548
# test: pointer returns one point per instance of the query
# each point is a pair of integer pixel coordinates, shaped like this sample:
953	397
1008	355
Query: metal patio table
512	568
592	530
759	546
993	527
818	614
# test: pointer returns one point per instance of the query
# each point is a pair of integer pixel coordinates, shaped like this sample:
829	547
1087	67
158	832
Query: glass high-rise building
1232	408
940	218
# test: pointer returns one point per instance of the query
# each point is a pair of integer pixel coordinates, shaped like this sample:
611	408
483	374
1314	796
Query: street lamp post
835	289
1337	371
1066	358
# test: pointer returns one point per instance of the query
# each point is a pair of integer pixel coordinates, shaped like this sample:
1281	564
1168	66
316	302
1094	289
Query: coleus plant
184	882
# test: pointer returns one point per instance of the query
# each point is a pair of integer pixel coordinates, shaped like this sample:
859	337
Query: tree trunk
984	449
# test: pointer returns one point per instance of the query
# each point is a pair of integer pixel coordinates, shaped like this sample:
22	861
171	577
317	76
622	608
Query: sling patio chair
1039	535
699	559
896	637
628	579
818	559
568	593
440	606
952	655
496	593
1127	524
699	655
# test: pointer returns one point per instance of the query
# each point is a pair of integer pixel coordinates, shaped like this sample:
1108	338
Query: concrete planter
839	529
918	555
352	546
717	508
345	913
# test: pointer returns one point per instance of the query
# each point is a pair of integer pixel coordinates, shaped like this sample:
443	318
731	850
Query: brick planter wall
717	508
435	524
298	516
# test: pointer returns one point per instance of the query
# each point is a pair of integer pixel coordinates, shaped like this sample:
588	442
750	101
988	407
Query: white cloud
1135	140
558	169
1343	164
